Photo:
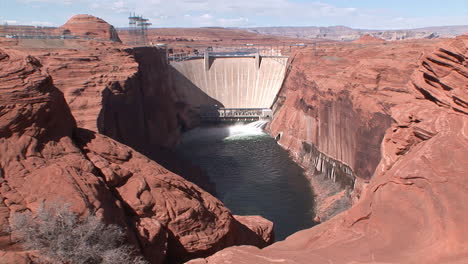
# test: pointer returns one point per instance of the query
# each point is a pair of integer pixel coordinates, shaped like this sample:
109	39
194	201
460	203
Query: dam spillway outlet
253	174
230	115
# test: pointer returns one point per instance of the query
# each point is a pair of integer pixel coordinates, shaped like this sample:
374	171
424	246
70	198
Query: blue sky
366	14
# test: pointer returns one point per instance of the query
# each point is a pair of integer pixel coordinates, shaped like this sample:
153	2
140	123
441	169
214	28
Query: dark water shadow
253	176
126	217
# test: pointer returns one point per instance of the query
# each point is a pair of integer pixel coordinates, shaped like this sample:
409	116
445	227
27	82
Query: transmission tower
138	29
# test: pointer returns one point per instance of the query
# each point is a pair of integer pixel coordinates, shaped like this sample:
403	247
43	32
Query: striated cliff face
126	94
46	158
384	123
412	210
333	111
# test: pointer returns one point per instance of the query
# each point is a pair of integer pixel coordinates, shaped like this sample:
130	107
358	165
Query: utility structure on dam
229	86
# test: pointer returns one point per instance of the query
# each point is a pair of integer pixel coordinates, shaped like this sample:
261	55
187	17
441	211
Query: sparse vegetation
59	235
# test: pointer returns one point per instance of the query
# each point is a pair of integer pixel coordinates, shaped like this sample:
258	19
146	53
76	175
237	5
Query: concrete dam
230	88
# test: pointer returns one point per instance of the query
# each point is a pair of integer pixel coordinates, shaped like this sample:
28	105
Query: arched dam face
230	82
252	173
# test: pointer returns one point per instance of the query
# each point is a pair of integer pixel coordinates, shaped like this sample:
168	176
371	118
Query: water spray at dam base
226	132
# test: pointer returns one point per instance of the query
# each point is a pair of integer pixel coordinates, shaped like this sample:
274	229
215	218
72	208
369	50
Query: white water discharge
245	130
226	132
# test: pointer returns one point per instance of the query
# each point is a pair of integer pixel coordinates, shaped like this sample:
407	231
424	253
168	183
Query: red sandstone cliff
334	108
366	39
333	112
413	209
126	94
45	157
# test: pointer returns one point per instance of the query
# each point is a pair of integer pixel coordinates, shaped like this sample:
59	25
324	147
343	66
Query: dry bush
58	234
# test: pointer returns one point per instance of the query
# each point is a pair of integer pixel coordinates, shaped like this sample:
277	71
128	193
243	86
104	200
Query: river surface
253	175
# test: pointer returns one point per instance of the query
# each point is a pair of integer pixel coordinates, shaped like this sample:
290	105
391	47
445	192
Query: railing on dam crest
219	115
228	52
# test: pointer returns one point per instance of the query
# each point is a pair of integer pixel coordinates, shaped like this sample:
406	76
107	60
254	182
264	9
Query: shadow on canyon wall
340	143
148	112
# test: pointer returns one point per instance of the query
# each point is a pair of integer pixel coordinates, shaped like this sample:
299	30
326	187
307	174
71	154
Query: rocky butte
380	127
89	27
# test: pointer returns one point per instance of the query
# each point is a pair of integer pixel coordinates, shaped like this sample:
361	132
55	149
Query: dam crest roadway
230	85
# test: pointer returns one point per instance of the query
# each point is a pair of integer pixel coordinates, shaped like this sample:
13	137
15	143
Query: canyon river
253	174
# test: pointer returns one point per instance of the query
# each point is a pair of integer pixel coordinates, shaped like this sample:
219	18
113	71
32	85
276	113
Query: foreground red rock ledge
44	157
414	209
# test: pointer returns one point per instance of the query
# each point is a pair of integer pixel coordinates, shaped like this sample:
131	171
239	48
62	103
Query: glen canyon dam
236	82
196	132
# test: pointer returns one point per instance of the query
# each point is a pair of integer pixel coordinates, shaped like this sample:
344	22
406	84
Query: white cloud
64	2
419	22
12	22
206	16
237	13
95	5
33	23
41	23
216	12
206	20
233	22
120	6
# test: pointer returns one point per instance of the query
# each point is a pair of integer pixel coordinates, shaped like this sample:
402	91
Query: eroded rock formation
45	157
412	210
126	94
365	39
374	117
333	111
87	26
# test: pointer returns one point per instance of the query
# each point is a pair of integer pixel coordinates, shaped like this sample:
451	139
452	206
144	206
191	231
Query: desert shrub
59	235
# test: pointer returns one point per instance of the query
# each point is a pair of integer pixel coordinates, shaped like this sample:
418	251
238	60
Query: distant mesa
89	27
369	39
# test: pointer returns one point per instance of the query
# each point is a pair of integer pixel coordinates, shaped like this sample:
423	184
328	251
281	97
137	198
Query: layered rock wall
126	94
139	110
333	111
46	158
